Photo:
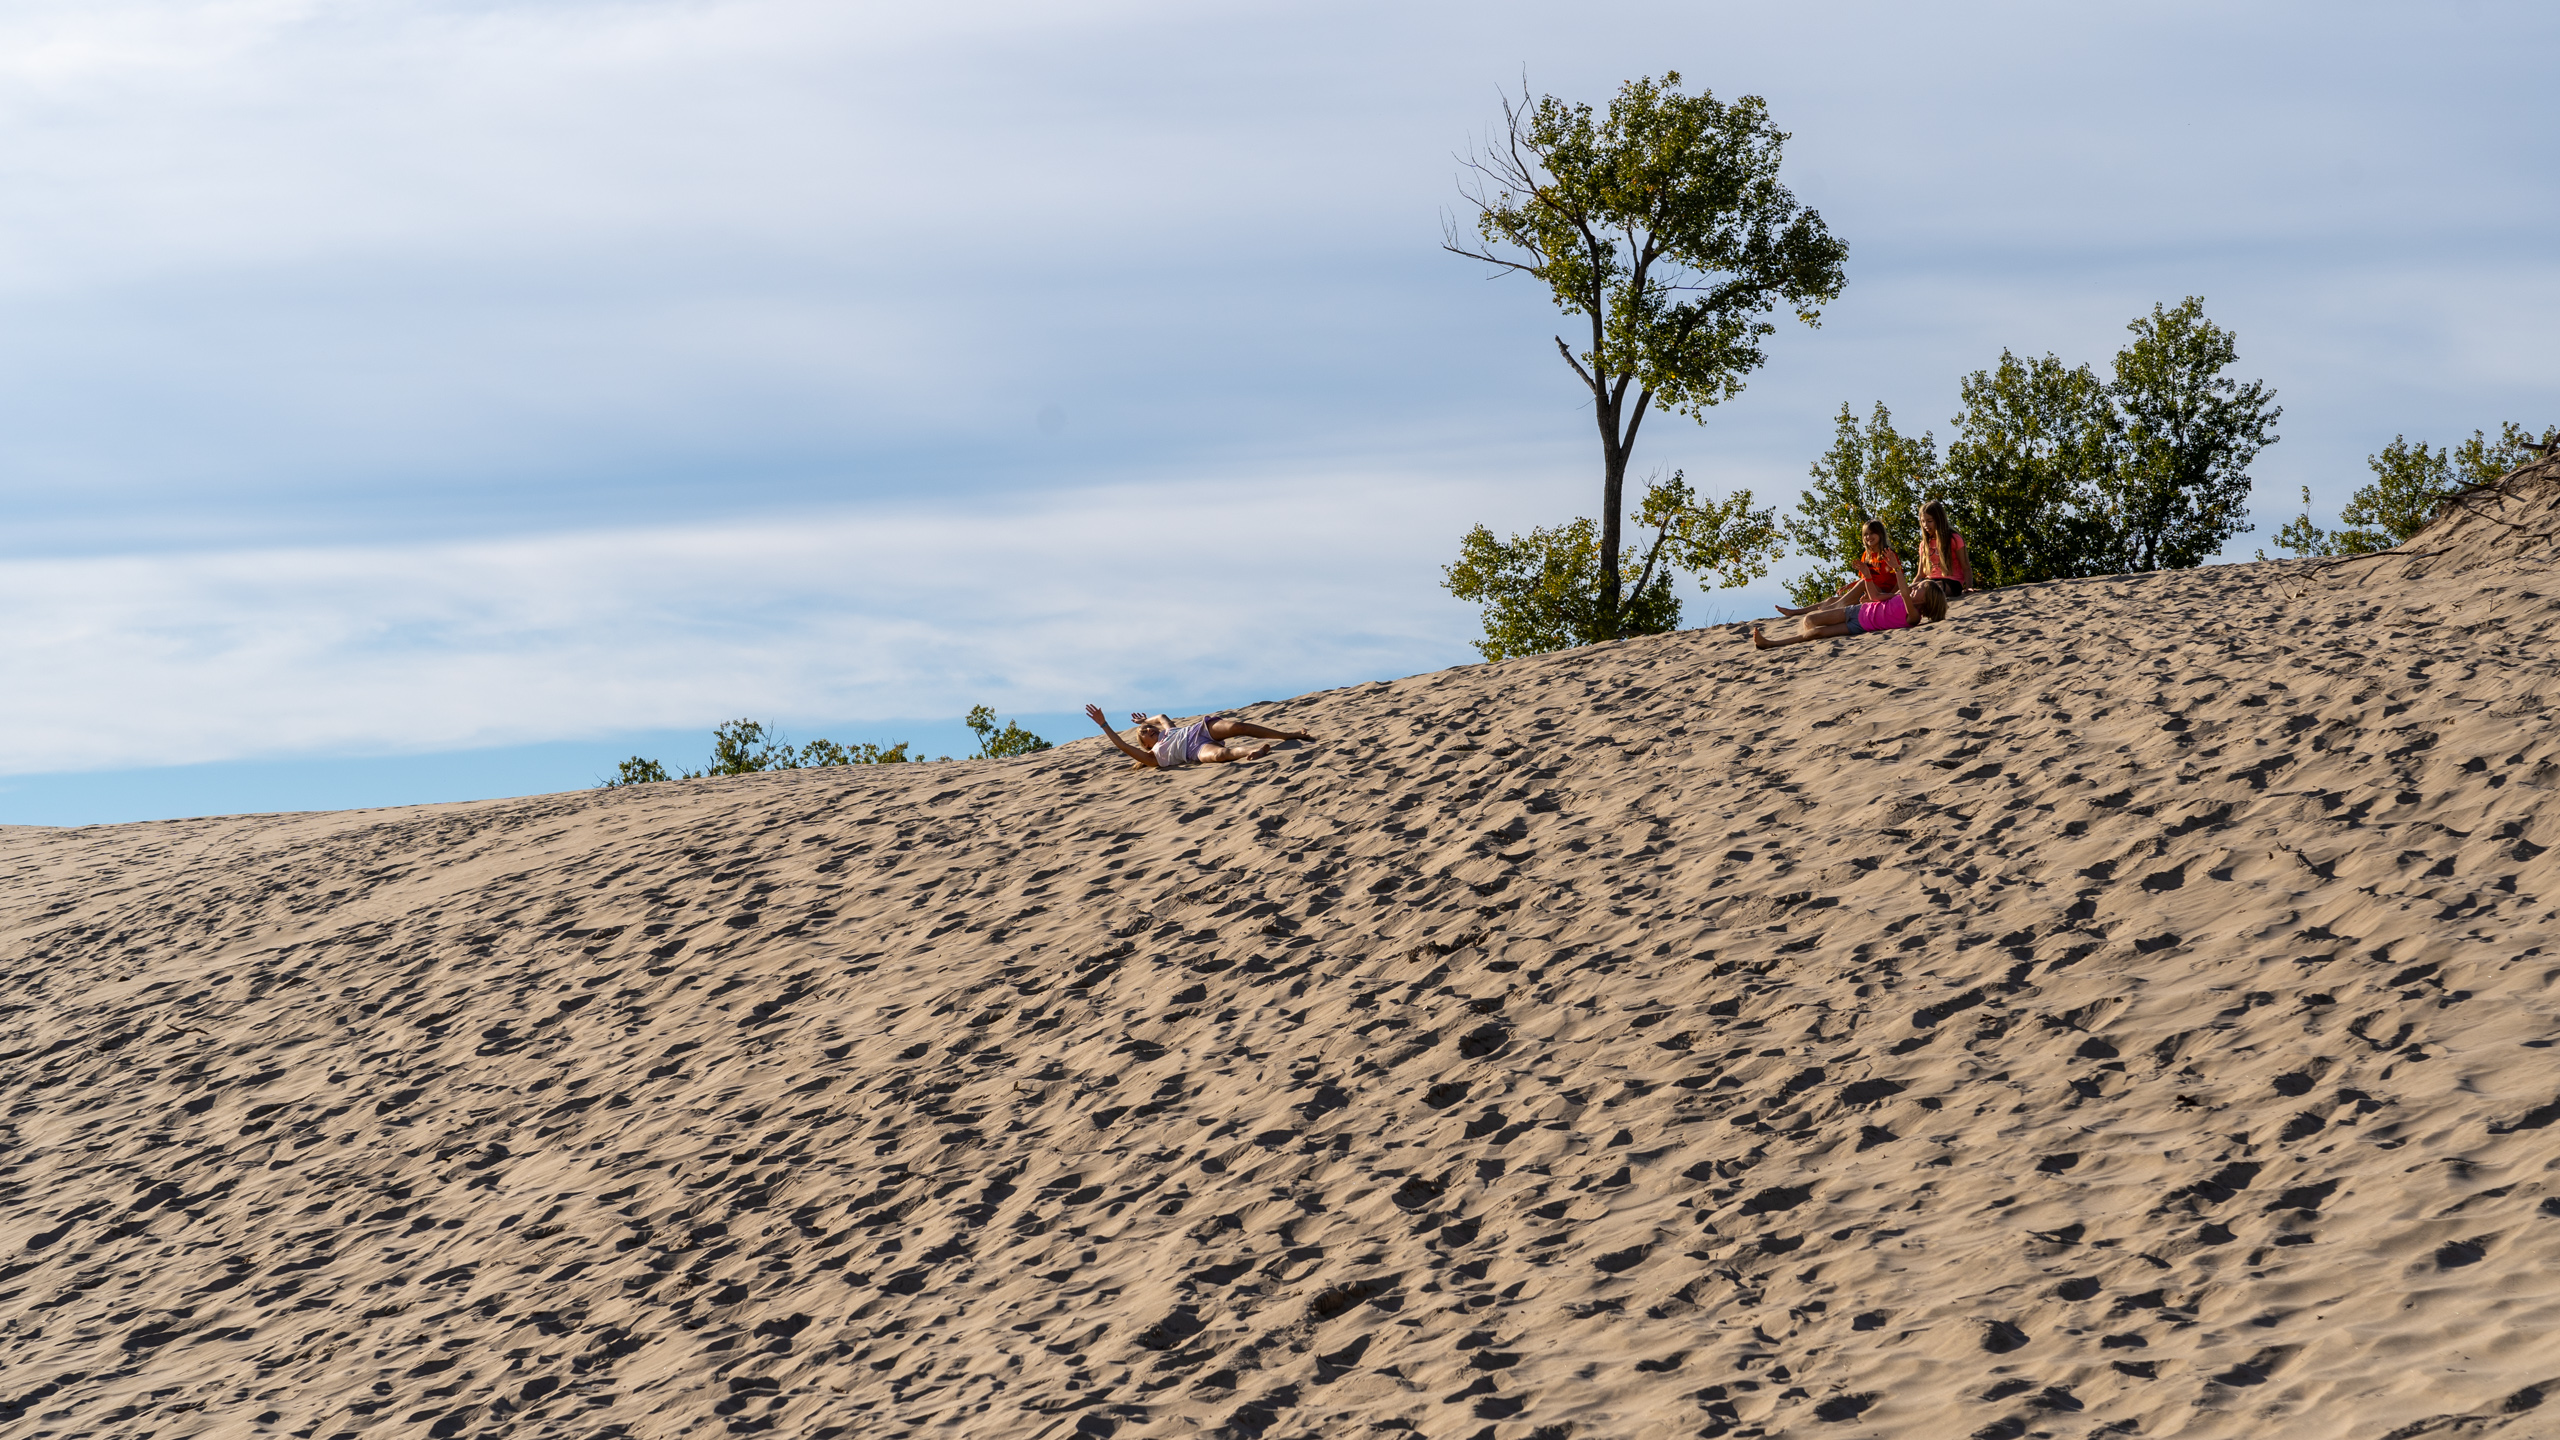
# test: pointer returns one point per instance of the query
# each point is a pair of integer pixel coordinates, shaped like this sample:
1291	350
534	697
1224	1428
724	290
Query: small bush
637	771
750	747
1004	744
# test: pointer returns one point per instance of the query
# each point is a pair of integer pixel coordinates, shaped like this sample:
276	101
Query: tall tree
2031	444
2062	473
1663	225
2179	489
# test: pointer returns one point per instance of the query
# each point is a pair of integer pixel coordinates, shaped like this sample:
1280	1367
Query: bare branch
1567	352
1491	259
1651	554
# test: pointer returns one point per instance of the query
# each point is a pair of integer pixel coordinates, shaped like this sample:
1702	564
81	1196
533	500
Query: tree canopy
2055	471
1662	223
2185	437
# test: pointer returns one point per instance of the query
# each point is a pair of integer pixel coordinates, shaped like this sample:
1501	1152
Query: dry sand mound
2126	1010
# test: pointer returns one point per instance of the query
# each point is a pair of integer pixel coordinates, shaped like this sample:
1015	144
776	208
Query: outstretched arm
1143	757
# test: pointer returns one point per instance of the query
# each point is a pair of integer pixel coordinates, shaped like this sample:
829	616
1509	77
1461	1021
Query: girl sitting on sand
1890	613
1164	745
1878	577
1942	552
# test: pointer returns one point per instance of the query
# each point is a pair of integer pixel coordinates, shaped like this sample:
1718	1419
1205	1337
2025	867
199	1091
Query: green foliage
2411	483
2480	460
1872	470
1724	543
1540	591
749	747
2054	472
1662	223
818	754
1004	744
743	747
1544	591
636	771
2186	435
2410	486
2031	442
2305	539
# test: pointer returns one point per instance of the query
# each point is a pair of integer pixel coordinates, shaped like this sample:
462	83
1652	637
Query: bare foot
1791	614
1758	640
1301	735
1255	754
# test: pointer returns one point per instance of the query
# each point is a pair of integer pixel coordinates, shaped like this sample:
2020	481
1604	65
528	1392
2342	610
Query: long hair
1930	601
1934	530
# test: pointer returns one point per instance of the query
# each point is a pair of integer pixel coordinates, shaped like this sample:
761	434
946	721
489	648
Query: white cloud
1246	586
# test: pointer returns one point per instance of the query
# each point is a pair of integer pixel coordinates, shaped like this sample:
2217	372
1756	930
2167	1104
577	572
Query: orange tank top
1876	568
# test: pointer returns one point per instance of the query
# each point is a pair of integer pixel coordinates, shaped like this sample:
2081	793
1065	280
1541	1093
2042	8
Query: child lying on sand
1164	745
1891	613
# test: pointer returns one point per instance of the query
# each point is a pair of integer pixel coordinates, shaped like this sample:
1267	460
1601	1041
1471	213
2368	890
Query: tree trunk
1613	481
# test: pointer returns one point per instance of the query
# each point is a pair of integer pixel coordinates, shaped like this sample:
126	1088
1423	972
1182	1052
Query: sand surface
2128	1009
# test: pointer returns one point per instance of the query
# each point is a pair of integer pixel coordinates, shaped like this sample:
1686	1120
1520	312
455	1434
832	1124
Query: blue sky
413	401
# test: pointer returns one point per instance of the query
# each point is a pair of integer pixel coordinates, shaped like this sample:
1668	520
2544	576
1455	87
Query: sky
408	401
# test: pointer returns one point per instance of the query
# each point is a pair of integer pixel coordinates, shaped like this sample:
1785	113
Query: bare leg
1853	593
1225	755
1827	607
1230	729
1811	627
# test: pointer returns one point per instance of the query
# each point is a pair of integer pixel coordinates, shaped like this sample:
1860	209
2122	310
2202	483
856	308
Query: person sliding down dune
1890	613
1164	745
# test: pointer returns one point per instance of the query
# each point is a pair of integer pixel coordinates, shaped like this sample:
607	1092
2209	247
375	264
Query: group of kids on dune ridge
1877	597
1874	597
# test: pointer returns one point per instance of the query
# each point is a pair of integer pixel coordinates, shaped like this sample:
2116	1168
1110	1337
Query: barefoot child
1927	602
1164	745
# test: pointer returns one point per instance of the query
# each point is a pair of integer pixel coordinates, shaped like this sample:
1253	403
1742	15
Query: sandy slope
2126	1010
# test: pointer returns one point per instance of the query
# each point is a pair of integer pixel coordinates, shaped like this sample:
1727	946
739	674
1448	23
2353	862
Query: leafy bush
1544	590
2410	484
637	771
750	747
1004	744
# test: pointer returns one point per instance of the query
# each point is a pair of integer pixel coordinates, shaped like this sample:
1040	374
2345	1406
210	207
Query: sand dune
2128	1009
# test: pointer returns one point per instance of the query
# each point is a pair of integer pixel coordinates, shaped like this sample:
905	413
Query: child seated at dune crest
1165	745
1879	573
1927	602
1942	557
